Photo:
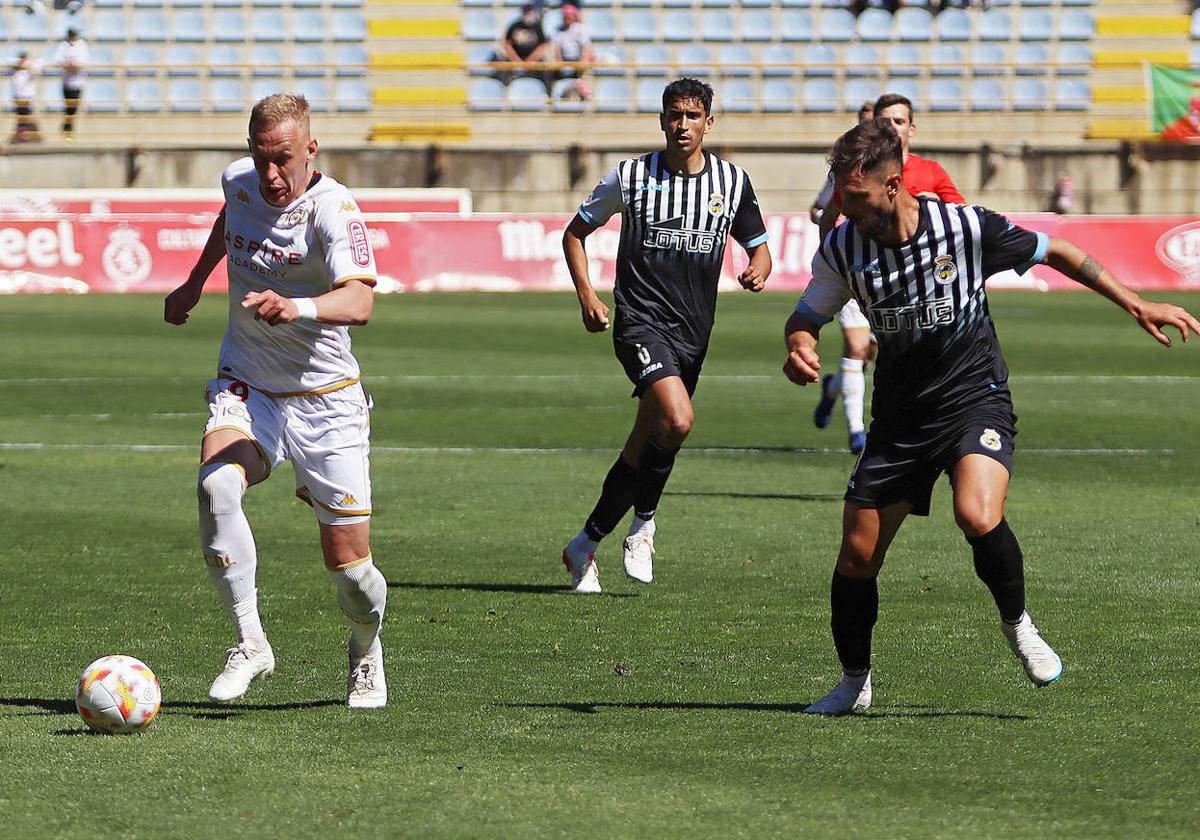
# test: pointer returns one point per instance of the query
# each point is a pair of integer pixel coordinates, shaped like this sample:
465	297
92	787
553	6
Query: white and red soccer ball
118	695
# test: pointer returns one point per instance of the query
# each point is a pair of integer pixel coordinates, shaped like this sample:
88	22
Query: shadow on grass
201	710
790	497
897	711
518	588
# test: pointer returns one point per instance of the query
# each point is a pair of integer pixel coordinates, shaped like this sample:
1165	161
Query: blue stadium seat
612	95
103	4
987	94
34	28
988	60
50	97
347	4
787	4
310	60
857	91
149	26
717	26
187	4
913	24
182	60
1035	25
995	25
648	97
676	4
309	26
639	25
478	59
820	96
906	87
756	25
597	4
224	60
103	96
1194	30
779	60
820	60
103	62
477	26
835	4
1078	25
1032	60
1030	94
527	94
261	4
470	4
1074	59
652	60
679	25
1079	2
262	88
227	95
611	60
779	97
316	91
350	59
229	26
188	26
715	4
185	96
68	20
1072	95
628	4
861	60
349	25
551	22
601	25
836	25
737	97
953	25
562	97
737	60
269	61
1037	2
268	26
486	94
874	25
143	96
903	60
946	95
141	60
758	4
795	25
946	60
695	60
232	4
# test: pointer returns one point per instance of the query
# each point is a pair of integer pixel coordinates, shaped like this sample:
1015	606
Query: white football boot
1041	662
366	686
582	567
245	664
639	553
852	694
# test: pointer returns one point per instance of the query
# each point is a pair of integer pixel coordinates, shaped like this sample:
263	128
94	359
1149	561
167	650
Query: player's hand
752	279
815	212
802	366
181	301
271	307
1154	316
595	315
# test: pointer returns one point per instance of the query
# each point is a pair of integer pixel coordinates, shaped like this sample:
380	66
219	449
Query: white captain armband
307	307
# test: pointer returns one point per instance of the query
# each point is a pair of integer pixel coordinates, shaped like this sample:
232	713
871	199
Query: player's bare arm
349	305
181	301
593	310
754	278
802	365
1084	269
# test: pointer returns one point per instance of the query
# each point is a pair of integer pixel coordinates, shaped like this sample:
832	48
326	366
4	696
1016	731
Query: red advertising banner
148	241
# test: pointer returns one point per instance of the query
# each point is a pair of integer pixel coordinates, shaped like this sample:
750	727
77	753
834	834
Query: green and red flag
1174	103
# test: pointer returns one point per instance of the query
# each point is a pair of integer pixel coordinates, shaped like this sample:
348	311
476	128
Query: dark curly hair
684	89
865	148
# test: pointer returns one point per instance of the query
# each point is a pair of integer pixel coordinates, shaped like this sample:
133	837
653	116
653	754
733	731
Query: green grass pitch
520	710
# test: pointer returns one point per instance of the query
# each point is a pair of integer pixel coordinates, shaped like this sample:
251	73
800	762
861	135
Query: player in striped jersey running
677	207
917	267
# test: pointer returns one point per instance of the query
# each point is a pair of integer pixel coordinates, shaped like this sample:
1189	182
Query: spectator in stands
24	90
72	56
1061	198
524	43
572	43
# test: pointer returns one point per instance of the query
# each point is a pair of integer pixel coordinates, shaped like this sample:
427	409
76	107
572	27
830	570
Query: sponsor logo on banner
1179	249
40	247
360	242
126	259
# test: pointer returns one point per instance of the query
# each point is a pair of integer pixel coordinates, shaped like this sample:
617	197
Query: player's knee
676	425
857	347
977	519
220	488
857	558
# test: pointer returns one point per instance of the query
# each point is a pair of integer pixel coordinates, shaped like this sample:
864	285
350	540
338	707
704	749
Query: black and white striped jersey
926	303
673	233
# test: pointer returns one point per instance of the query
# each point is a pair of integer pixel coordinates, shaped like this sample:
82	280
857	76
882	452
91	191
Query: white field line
533	450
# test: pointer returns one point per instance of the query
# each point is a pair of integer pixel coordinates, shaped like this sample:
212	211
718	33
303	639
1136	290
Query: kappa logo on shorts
990	439
348	501
360	243
944	270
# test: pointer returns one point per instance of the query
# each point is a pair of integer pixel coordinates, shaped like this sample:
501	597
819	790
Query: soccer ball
118	695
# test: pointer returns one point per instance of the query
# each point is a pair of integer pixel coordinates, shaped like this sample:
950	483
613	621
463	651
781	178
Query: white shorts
851	317
326	437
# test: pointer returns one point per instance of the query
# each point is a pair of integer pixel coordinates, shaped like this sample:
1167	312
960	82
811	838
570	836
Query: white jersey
74	53
313	245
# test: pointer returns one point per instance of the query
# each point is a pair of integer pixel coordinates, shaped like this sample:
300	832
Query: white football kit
293	388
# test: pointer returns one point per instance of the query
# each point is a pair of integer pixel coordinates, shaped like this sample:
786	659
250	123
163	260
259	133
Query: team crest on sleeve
360	243
944	269
990	439
243	196
716	204
349	207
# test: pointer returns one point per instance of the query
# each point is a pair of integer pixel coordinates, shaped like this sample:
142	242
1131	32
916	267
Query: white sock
639	524
854	389
362	595
228	545
583	544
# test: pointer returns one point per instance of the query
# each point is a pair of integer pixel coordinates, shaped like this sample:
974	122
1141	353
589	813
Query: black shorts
903	467
648	356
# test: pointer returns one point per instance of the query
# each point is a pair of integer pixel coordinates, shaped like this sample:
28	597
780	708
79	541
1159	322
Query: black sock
999	564
616	497
652	475
855	604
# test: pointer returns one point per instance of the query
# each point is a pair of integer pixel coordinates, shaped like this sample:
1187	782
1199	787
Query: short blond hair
279	108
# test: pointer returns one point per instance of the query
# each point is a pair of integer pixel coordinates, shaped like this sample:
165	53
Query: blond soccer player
301	272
